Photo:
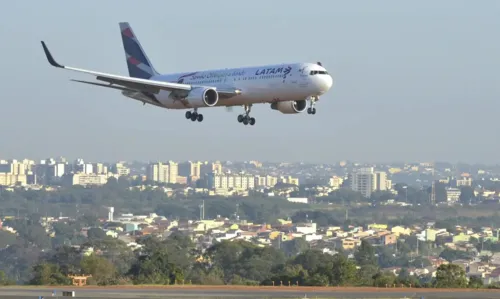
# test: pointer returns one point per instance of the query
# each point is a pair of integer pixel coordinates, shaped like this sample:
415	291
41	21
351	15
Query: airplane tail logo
138	63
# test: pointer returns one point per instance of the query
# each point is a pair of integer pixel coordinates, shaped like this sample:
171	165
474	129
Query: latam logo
273	70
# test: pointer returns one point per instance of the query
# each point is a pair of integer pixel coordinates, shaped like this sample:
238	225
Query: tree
467	195
103	271
318	279
66	258
451	255
365	254
4	280
486	258
312	260
96	234
115	251
295	274
384	279
7	239
366	274
343	271
155	268
475	282
295	246
450	276
48	274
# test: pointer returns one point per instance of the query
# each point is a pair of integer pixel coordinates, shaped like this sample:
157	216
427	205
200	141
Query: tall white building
366	181
265	181
163	173
120	169
191	170
231	181
86	179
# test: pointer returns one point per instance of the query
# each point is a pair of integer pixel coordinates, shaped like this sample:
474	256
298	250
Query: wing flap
103	85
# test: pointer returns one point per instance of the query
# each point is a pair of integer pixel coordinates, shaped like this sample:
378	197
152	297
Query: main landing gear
194	116
245	118
312	103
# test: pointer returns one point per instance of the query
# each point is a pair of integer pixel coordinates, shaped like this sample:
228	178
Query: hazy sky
413	81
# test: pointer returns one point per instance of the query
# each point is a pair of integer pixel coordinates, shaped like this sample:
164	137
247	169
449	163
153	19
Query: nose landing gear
312	103
245	118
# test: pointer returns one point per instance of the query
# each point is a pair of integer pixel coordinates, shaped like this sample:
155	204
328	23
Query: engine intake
290	107
202	97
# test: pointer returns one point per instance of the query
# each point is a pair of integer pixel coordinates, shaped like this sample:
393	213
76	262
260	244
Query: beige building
85	179
289	180
15	172
190	170
265	181
366	181
163	172
120	169
231	181
9	179
100	168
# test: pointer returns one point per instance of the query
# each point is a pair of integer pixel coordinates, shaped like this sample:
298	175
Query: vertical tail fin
138	63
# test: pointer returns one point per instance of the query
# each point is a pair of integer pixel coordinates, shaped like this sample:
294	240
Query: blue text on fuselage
211	75
269	71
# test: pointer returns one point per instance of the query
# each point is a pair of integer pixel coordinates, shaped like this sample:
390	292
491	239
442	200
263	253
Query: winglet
51	59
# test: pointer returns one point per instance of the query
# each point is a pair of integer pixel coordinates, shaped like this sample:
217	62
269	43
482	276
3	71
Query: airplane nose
328	82
324	83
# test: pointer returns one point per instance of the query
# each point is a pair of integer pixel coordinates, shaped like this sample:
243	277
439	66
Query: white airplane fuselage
261	84
286	87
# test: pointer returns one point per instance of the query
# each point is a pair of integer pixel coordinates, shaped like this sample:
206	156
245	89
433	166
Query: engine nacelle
202	97
290	107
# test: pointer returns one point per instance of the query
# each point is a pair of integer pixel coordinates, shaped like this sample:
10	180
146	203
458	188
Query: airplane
288	88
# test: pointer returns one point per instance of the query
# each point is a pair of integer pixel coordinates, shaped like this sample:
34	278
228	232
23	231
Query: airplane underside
247	102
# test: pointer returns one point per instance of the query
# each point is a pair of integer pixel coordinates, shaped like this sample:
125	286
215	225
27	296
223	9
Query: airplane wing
130	83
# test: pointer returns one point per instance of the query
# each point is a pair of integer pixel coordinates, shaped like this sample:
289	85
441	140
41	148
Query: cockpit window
318	73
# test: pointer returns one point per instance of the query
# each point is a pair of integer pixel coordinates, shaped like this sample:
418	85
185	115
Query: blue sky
413	80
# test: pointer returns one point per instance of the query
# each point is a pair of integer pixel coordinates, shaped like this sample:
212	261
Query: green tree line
176	260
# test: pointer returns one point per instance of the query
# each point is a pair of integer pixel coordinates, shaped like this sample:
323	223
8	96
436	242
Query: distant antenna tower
433	188
202	210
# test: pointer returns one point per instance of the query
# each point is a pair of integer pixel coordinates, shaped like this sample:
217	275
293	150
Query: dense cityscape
424	224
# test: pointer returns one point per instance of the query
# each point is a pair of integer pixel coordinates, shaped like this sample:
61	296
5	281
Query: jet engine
202	97
290	107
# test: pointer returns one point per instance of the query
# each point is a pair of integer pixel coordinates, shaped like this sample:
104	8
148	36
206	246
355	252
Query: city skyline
414	81
71	159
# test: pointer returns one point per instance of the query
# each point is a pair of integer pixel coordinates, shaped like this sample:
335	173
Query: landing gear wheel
194	116
188	114
245	118
312	109
200	118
